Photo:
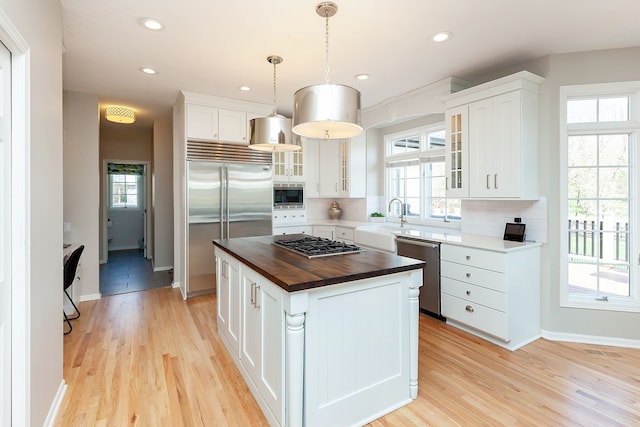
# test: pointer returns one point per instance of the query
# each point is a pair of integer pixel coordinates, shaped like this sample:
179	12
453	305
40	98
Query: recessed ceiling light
151	24
361	76
148	70
441	36
244	88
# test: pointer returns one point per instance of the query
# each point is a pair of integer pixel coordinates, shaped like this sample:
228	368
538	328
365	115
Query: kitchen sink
381	236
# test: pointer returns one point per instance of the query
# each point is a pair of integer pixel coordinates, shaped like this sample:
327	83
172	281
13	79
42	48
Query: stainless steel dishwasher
429	252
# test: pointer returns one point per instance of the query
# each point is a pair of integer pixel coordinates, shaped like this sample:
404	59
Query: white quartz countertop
467	240
442	235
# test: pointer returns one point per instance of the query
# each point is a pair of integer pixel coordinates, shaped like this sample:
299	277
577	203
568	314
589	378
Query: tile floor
129	271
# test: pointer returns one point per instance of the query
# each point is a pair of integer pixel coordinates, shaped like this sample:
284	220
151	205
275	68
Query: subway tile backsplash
488	217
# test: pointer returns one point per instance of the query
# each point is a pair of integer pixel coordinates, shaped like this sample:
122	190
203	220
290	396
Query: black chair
70	267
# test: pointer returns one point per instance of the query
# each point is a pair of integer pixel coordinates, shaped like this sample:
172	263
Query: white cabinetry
341	170
228	298
456	151
232	126
293	229
216	124
325	231
492	152
202	122
344	234
289	165
495	294
312	168
262	338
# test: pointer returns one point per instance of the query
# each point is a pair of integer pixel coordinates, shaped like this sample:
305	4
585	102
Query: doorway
127	253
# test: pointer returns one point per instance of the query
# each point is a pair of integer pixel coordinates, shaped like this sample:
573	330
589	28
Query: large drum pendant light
272	133
327	111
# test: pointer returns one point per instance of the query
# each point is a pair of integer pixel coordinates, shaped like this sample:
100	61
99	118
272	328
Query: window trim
420	158
631	127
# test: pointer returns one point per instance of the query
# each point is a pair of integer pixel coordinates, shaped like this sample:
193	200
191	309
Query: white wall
163	193
39	23
578	68
81	180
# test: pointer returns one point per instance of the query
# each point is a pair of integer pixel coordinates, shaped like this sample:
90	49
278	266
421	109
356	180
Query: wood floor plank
152	359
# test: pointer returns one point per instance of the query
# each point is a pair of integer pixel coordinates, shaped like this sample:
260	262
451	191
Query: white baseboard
90	297
55	405
163	268
590	339
175	284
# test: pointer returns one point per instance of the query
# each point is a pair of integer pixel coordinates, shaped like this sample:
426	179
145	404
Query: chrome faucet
402	219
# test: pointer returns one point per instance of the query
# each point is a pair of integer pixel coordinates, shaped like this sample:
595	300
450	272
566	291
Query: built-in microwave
288	195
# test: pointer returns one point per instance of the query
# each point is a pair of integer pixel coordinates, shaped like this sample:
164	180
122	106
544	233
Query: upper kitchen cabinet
456	151
492	141
288	166
216	124
201	122
342	167
211	118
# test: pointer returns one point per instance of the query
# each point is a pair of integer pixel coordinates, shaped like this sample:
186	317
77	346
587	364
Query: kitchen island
322	341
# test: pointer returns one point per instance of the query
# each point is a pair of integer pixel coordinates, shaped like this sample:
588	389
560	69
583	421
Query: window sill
613	304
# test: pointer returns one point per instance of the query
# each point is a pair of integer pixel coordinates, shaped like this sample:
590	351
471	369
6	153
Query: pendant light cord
274	87
326	36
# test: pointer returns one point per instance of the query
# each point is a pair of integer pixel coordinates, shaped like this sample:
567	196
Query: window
124	185
600	187
414	161
124	191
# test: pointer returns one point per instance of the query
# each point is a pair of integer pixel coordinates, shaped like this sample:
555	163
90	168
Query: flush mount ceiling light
327	111
361	76
271	133
119	114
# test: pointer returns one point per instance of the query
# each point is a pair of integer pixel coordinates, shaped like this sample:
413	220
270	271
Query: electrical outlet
66	226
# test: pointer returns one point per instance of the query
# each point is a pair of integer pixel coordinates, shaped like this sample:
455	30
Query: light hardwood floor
151	359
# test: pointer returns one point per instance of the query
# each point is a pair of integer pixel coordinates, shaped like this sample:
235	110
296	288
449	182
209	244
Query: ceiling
213	47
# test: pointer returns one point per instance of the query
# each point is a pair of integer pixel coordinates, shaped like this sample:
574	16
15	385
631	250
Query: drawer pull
468	257
469	309
468	275
468	292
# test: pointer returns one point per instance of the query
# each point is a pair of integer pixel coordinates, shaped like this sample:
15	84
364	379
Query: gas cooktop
313	247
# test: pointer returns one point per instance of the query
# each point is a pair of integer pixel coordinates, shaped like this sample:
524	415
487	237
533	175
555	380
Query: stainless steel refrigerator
224	200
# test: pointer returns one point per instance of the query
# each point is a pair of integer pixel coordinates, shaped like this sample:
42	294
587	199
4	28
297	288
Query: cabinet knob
468	292
468	257
468	275
469	309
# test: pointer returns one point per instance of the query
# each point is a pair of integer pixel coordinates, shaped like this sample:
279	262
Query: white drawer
474	294
343	233
488	320
299	229
477	276
489	260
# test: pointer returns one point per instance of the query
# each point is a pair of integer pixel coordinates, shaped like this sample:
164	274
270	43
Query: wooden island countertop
294	272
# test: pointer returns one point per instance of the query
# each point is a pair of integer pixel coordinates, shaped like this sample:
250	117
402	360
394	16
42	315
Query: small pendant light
272	133
327	111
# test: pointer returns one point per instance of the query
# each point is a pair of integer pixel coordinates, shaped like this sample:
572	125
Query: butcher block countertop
294	272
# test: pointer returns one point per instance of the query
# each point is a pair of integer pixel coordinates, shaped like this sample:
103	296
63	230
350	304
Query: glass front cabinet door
457	152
